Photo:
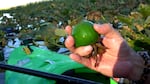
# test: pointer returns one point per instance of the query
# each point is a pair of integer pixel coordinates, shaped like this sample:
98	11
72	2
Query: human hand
117	60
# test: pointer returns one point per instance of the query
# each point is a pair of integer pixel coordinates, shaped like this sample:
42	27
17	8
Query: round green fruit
84	33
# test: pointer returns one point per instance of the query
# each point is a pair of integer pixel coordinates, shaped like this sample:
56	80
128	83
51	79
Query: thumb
106	29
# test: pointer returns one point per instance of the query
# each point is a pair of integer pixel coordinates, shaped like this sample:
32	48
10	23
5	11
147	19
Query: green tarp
42	60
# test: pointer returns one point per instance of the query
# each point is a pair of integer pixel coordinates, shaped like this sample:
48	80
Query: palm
109	58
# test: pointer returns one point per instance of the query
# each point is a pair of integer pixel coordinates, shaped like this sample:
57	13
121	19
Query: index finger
68	30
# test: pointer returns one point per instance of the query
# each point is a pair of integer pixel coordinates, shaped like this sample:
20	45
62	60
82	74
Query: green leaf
144	10
125	19
147	21
60	32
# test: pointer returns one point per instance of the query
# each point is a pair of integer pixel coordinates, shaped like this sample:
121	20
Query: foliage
47	33
134	16
2	40
144	10
136	28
